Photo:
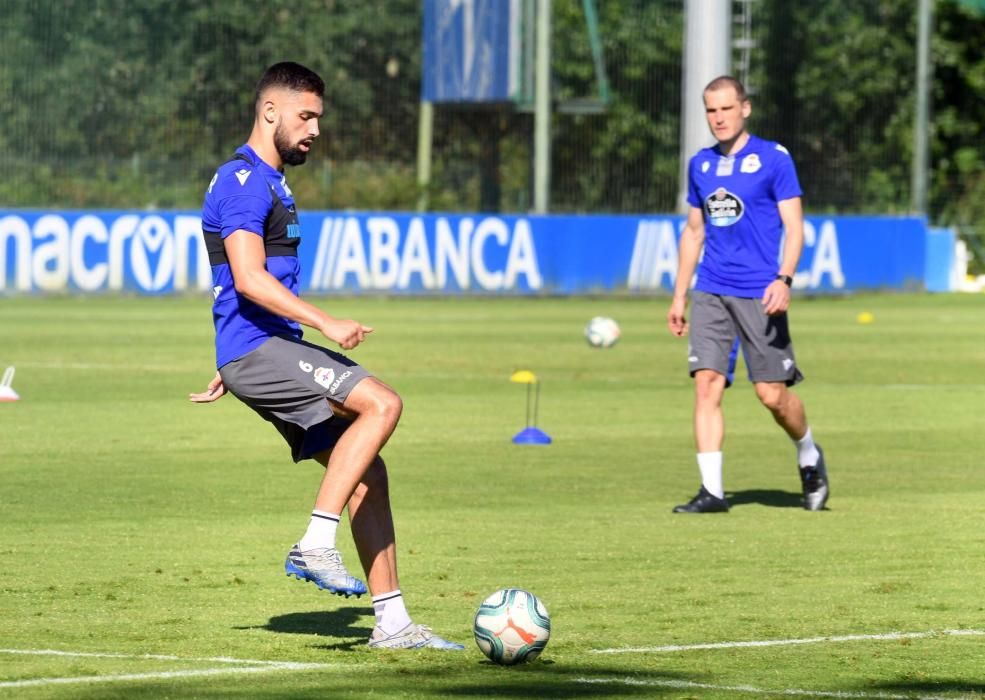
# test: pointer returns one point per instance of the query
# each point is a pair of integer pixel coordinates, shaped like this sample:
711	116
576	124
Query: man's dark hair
727	81
291	76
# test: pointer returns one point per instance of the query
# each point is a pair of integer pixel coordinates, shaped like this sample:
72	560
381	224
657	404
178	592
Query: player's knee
708	387
375	399
393	406
772	396
387	404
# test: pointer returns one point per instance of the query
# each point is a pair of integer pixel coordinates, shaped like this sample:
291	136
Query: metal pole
707	55
542	109
591	18
425	137
921	119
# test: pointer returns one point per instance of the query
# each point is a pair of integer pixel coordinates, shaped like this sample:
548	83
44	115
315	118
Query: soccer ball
512	626
602	332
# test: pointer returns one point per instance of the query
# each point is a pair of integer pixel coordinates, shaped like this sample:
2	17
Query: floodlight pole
542	109
921	120
707	55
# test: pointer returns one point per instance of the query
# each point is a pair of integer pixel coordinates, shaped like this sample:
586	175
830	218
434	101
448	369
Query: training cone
531	435
7	393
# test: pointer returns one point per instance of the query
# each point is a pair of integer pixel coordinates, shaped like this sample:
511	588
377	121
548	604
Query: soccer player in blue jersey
743	193
327	407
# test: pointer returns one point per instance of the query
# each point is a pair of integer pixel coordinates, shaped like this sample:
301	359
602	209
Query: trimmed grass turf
133	522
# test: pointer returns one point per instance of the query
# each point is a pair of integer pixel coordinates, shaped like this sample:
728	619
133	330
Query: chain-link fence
122	103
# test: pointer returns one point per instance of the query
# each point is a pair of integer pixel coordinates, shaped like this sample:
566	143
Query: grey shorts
719	324
290	382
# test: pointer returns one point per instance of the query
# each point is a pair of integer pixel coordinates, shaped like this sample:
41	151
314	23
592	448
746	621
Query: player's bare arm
692	238
247	261
776	298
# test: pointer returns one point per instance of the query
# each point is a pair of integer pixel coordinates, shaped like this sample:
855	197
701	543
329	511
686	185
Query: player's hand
215	391
776	298
348	333
676	321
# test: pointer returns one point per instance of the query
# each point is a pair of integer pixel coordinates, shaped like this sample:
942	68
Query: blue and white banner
471	50
394	253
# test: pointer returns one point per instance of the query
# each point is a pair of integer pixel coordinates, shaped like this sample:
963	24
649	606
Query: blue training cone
531	435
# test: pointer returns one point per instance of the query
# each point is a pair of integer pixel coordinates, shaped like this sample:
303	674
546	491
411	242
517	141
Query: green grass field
142	538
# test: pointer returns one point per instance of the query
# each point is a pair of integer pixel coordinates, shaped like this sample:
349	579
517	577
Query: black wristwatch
787	279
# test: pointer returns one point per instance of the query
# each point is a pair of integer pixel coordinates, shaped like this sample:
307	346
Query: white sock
321	531
807	454
710	466
391	614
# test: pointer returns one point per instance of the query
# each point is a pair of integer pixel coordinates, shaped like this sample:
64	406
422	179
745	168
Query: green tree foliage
631	163
837	91
144	98
958	187
132	103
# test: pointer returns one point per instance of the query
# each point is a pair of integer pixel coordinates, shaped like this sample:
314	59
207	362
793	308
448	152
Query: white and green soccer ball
602	332
512	626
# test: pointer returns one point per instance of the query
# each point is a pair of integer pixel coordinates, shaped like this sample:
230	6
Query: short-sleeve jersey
248	194
738	197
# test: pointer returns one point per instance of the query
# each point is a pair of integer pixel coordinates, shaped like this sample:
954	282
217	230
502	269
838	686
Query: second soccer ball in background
602	332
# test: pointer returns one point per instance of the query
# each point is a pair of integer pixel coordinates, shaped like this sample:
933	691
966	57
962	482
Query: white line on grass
227	671
791	642
242	666
683	685
147	657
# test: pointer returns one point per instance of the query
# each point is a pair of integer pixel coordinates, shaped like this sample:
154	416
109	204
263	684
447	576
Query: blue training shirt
738	195
248	194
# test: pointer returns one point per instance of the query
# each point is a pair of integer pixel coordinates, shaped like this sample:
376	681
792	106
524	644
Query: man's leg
371	520
709	422
372	410
786	407
709	434
789	413
375	409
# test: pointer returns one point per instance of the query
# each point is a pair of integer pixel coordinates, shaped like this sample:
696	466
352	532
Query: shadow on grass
465	674
950	685
544	679
341	622
765	497
468	678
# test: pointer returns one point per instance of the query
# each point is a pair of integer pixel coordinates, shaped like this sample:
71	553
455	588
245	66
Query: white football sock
321	531
710	466
391	614
807	454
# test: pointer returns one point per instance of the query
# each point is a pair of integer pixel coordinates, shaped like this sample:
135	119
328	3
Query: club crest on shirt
723	208
704	166
750	164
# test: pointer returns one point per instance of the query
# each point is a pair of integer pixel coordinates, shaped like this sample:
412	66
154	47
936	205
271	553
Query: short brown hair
727	81
292	76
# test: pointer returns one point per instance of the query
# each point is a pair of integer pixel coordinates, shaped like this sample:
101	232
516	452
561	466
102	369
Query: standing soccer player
743	193
327	407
